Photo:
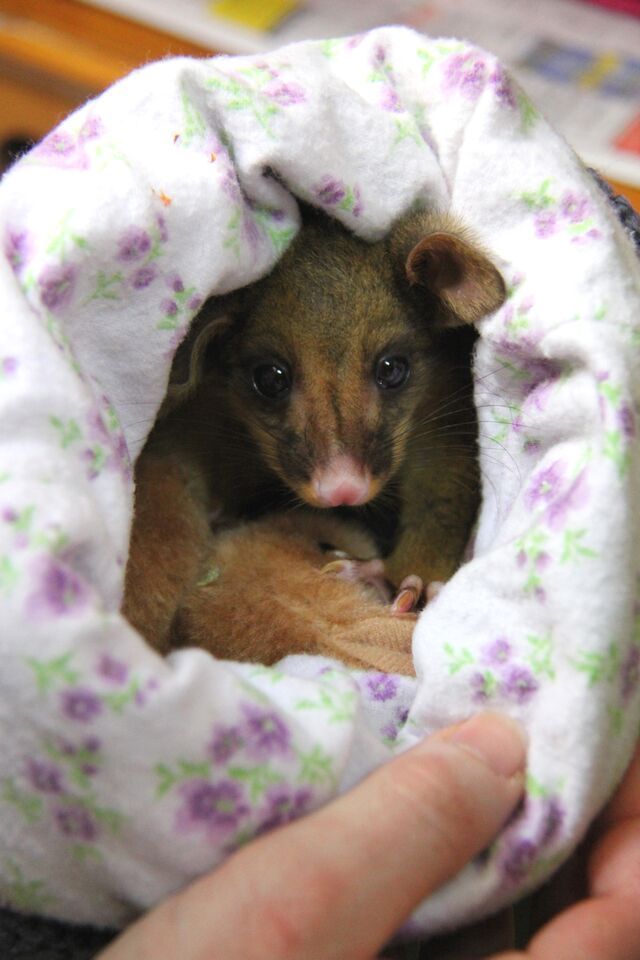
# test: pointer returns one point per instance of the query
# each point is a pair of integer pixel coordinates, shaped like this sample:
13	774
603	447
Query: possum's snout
343	482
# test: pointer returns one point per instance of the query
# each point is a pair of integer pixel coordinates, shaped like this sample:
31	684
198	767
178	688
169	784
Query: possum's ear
216	316
440	259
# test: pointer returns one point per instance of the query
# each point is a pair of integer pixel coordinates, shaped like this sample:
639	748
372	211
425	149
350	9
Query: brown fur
288	605
254	591
330	308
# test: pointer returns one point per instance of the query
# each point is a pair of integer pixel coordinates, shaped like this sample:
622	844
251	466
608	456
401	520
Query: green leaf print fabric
124	775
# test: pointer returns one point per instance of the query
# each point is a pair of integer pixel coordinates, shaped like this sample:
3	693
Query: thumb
338	883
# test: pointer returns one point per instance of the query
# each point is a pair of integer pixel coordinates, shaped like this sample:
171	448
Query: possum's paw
369	573
410	595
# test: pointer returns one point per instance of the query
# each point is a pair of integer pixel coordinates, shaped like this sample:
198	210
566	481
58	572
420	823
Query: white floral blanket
123	775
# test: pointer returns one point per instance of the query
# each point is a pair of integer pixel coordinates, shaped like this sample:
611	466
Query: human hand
604	923
338	883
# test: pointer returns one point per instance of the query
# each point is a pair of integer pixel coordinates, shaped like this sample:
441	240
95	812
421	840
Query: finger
607	925
604	928
339	883
613	865
626	802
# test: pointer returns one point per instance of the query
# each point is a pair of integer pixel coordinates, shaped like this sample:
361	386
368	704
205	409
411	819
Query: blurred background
578	59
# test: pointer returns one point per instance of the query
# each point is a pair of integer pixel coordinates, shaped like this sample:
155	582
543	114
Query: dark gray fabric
36	938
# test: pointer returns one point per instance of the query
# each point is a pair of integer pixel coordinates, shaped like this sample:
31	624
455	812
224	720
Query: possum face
340	347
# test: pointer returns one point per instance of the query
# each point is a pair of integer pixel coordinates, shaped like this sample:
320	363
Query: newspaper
578	62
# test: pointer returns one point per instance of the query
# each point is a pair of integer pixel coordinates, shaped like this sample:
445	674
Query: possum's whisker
425	458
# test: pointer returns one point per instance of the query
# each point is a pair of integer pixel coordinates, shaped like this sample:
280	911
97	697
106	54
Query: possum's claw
410	593
370	573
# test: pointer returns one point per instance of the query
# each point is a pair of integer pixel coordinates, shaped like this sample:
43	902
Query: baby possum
342	378
256	590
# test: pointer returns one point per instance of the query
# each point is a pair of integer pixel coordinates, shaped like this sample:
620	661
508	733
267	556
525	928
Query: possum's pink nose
342	483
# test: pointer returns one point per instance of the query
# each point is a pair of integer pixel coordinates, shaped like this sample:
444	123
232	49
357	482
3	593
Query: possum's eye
392	372
272	380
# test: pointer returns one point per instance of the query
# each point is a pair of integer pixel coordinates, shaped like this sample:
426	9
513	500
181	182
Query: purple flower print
553	815
545	485
534	370
141	697
543	560
143	277
390	730
284	805
285	94
379	56
265	733
630	674
390	100
57	283
330	191
381	686
482	686
497	652
62	149
121	456
503	87
250	229
112	670
217	808
225	743
357	207
94	461
133	244
17	248
465	72
90	129
44	776
75	821
60	590
91	745
354	41
518	683
170	308
231	186
573	207
81	704
64	746
266	68
545	223
627	421
540	392
519	857
57	144
573	498
163	231
11	516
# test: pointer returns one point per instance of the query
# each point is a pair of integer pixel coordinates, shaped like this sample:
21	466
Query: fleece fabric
124	775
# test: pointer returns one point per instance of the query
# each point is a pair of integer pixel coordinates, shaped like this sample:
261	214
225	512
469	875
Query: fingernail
496	739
